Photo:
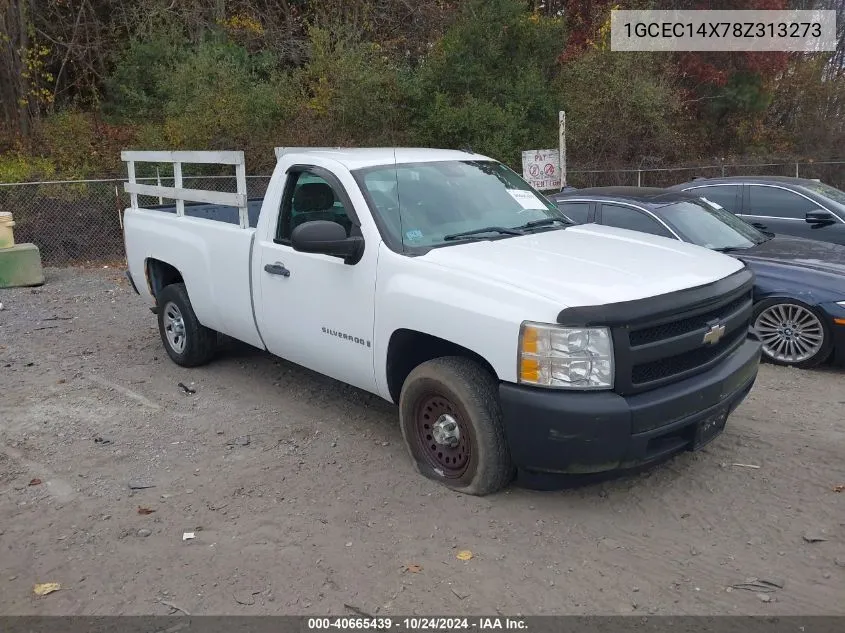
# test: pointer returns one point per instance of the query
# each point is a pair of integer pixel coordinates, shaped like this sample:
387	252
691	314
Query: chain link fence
78	222
830	172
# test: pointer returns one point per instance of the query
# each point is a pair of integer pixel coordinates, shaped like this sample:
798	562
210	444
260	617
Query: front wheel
792	332
187	341
452	425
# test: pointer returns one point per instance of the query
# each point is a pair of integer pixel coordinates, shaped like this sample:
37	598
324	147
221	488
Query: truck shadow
356	407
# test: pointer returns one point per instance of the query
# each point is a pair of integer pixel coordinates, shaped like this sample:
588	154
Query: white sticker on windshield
711	203
527	199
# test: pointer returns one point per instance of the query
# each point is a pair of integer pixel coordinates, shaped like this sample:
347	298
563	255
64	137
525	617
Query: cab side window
777	203
623	217
309	197
576	211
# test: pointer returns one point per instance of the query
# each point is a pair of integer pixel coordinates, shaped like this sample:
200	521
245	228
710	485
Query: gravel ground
303	501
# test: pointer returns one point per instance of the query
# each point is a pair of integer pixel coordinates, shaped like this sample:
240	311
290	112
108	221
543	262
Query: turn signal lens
529	370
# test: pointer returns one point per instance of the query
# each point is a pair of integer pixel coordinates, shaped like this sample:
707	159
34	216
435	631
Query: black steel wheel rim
447	449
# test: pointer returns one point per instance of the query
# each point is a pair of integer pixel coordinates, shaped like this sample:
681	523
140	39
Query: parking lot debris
44	588
464	554
814	536
140	484
175	607
245	597
754	466
35	482
764	597
413	568
356	610
243	440
102	440
145	510
144	532
460	596
839	488
760	585
186	388
187	536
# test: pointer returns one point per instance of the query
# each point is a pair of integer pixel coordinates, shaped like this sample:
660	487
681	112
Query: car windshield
832	193
707	224
428	204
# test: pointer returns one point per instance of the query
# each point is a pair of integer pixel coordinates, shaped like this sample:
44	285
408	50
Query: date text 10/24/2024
416	624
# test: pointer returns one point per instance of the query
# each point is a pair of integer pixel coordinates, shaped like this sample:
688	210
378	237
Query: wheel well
409	348
161	274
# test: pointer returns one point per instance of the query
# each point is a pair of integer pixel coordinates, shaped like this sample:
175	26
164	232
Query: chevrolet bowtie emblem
714	334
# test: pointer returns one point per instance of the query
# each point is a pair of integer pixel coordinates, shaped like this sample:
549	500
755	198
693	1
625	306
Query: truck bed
217	212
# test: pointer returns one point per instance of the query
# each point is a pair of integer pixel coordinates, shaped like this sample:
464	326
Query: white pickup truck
513	342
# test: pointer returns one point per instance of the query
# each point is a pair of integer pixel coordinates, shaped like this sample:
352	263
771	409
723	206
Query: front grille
671	347
684	326
667	367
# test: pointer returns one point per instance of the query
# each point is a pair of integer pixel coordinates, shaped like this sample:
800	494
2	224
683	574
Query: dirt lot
303	501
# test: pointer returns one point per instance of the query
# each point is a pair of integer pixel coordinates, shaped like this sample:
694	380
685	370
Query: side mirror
327	238
819	216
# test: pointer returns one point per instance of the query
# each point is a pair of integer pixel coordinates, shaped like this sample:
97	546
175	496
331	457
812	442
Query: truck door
314	309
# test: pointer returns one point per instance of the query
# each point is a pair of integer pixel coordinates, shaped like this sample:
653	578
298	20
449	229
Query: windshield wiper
502	230
544	222
731	249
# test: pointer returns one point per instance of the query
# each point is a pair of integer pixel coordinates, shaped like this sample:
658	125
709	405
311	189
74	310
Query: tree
487	83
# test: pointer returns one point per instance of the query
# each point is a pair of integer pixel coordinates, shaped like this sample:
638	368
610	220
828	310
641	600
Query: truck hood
588	264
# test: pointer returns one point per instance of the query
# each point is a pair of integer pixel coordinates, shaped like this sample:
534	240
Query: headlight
841	303
565	357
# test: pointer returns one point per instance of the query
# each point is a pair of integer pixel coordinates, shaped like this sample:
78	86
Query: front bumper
564	432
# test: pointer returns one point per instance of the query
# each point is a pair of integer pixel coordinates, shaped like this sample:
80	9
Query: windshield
707	224
837	195
422	204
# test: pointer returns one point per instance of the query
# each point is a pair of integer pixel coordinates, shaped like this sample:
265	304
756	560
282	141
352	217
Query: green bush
16	167
488	83
137	86
619	108
352	90
215	95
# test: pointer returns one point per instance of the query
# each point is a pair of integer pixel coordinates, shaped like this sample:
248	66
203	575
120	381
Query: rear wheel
452	425
186	340
792	332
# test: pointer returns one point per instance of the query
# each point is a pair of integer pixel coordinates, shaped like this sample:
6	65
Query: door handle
277	269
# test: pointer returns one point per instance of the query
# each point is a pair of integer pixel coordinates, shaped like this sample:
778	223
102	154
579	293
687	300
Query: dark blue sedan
799	295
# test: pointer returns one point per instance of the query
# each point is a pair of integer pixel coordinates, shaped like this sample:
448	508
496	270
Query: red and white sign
541	168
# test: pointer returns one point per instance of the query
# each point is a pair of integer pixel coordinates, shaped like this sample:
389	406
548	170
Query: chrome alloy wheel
790	333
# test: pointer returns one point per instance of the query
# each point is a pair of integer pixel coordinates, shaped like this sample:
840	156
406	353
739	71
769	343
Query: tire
778	319
450	407
197	344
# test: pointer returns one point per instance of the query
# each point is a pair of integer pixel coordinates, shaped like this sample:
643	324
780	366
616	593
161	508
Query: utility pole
562	139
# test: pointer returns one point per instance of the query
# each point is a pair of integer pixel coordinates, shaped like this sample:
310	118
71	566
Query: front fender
481	315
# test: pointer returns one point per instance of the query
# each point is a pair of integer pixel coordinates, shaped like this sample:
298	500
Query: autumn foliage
81	79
